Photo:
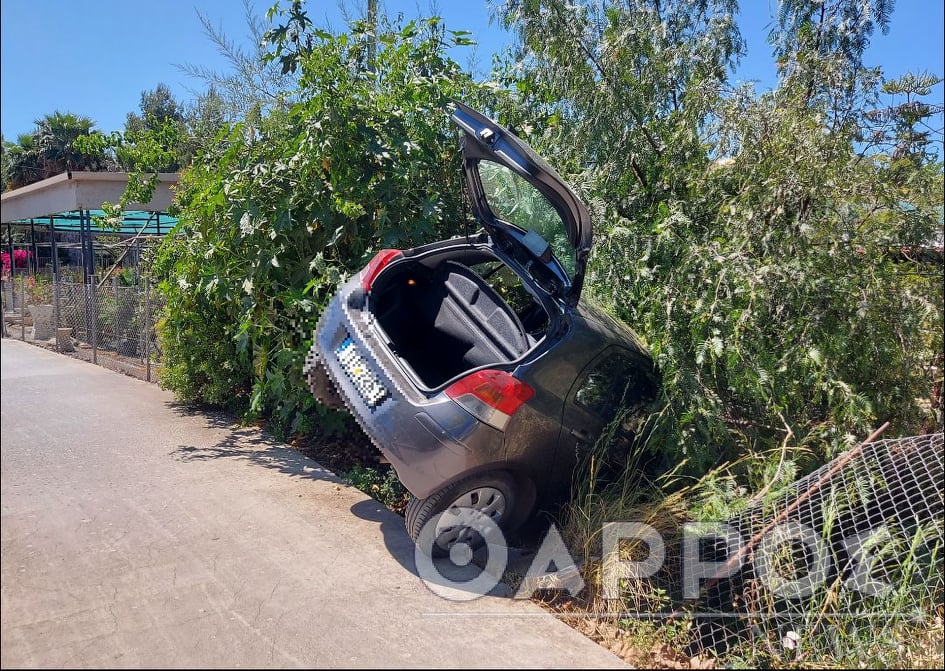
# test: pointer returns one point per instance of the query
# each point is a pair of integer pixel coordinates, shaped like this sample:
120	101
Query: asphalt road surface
138	533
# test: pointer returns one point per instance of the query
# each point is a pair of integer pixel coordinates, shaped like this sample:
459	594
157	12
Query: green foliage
285	206
827	29
155	147
162	138
252	84
204	118
755	241
55	137
157	107
380	483
58	143
776	301
751	240
152	140
21	164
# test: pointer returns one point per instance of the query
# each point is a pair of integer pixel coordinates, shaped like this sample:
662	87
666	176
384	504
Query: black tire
421	511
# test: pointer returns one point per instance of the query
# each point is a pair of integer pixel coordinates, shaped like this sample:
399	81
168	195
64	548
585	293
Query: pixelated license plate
356	368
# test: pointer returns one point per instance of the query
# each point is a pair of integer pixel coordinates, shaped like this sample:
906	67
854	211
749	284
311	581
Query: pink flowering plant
21	259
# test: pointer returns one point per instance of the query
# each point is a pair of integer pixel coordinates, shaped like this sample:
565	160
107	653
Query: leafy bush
39	290
776	299
288	205
753	240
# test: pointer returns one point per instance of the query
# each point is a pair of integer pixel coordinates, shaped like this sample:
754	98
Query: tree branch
654	145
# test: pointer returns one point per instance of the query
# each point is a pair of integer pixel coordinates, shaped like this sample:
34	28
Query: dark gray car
472	363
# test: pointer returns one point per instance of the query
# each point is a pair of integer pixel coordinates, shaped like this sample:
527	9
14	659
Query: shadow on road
455	582
249	443
461	581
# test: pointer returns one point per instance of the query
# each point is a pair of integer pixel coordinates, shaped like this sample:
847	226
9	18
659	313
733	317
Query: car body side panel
532	438
581	427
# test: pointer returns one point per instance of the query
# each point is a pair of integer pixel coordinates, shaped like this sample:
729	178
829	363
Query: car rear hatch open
517	196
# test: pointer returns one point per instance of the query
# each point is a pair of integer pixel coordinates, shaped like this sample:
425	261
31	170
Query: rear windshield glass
513	200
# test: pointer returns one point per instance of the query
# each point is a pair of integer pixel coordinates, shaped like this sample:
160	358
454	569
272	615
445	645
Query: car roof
610	329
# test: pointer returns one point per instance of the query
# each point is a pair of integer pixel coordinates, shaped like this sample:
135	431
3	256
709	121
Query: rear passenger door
617	379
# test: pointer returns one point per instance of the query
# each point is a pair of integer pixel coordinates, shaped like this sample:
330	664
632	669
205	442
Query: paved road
135	533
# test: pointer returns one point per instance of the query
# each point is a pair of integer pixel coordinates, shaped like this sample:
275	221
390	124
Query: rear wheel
489	497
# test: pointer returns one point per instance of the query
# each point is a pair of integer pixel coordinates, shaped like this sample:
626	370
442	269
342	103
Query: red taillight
376	265
491	395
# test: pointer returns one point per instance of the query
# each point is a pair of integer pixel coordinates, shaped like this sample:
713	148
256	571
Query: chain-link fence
840	557
106	322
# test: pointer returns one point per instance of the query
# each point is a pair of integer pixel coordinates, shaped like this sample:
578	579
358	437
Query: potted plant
20	259
39	298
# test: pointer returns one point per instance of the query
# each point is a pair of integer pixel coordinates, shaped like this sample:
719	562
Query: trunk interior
450	318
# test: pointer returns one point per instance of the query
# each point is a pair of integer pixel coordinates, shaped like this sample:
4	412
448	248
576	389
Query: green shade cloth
134	220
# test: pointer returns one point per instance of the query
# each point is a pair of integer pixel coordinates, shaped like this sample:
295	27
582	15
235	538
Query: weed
379	482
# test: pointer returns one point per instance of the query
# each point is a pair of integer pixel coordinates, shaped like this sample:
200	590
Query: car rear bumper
430	441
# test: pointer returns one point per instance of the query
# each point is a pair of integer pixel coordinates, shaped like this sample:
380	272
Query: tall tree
821	43
157	107
251	83
57	144
828	28
23	162
155	136
55	137
747	237
205	117
628	84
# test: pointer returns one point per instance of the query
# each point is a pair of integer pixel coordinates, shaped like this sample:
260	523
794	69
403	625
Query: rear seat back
470	310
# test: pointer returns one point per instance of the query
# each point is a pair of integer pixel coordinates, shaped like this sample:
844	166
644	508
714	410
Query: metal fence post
86	312
3	308
93	296
147	329
55	280
22	307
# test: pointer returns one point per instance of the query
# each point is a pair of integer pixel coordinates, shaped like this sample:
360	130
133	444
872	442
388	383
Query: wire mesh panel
118	319
99	318
73	310
150	308
12	299
844	552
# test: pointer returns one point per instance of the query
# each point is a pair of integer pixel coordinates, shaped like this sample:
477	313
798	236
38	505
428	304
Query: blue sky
95	57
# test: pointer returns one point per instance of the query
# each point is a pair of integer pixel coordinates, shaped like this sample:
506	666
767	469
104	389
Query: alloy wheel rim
454	526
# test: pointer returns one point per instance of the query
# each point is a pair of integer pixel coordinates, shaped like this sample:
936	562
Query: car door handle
582	435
